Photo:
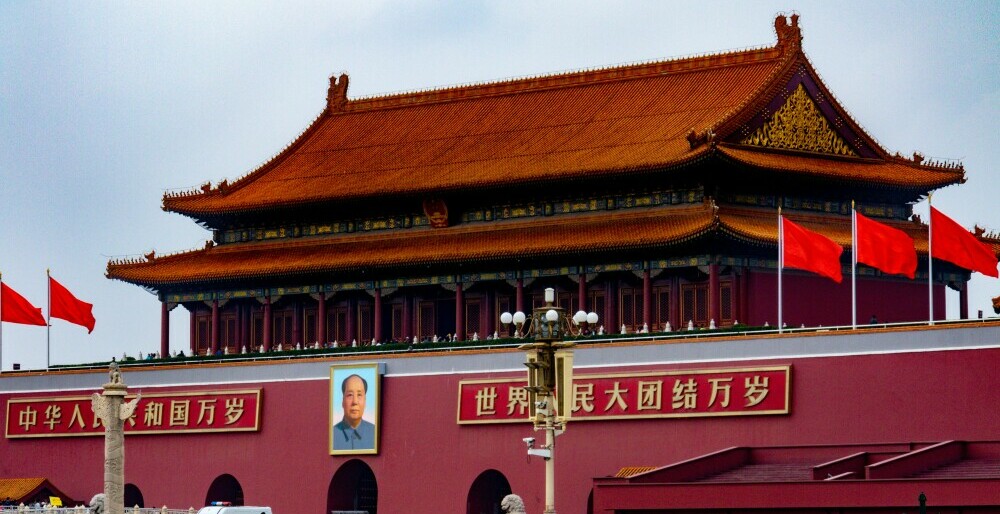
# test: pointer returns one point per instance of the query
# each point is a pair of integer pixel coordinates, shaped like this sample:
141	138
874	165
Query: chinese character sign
688	393
156	413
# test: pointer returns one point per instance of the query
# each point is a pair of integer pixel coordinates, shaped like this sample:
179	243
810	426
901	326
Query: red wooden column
297	323
675	304
647	299
248	311
194	330
582	293
377	330
215	327
164	330
239	326
745	295
519	296
963	301
407	317
736	296
321	318
611	319
714	303
491	321
267	323
459	312
352	320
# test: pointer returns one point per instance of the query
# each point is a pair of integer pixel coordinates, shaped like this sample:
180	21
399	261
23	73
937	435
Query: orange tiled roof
761	227
464	243
893	171
631	471
601	122
18	488
21	489
621	230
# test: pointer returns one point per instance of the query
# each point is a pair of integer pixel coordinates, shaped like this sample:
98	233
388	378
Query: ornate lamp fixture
550	375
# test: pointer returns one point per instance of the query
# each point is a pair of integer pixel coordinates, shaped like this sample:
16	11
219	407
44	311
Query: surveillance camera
530	441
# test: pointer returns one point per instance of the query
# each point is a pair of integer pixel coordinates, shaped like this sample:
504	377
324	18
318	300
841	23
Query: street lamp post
550	376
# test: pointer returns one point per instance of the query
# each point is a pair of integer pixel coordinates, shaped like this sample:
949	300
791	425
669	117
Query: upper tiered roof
605	122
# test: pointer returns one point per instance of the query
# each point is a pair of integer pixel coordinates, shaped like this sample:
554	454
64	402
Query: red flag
15	309
950	242
881	246
64	305
810	251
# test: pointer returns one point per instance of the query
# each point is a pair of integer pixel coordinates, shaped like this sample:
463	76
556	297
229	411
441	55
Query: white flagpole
781	263
48	319
854	266
930	260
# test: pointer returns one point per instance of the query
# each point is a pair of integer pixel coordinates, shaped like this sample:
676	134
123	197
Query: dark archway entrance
353	488
225	488
133	496
486	492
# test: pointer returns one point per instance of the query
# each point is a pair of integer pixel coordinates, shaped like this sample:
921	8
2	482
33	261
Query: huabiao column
111	408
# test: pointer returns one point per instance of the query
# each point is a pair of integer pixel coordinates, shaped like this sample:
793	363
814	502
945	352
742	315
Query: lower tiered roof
482	244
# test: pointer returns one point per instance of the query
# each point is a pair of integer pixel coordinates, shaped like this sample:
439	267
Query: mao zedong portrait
352	432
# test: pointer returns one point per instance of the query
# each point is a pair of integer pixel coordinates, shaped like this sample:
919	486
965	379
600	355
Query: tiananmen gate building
387	239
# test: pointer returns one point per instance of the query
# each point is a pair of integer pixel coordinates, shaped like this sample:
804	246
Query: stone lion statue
97	504
512	504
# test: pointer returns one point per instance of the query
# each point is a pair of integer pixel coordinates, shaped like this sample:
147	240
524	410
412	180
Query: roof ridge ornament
336	96
789	35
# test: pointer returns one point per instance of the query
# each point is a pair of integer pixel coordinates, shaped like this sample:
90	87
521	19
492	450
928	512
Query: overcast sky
106	105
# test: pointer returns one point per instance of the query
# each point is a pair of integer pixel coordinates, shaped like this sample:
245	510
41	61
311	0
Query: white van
234	510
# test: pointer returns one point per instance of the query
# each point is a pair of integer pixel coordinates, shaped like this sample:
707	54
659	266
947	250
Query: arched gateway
486	492
225	488
133	496
353	488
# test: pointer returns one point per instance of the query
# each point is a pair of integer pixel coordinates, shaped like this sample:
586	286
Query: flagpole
48	318
781	263
930	260
854	266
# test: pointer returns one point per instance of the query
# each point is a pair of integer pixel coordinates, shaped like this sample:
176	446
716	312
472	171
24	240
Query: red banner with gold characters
157	413
656	394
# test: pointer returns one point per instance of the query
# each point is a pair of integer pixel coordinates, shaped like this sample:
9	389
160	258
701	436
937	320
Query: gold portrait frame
372	377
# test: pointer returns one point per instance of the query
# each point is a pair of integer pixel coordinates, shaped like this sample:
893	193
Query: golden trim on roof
799	125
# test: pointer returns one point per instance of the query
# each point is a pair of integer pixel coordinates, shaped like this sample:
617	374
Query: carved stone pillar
111	409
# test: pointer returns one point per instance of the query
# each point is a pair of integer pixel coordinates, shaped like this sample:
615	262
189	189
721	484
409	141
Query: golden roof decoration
799	125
